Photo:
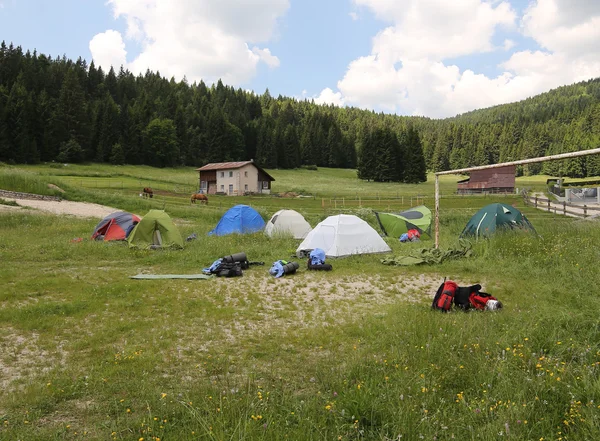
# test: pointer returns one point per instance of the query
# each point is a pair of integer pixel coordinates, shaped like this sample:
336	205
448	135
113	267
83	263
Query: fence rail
542	203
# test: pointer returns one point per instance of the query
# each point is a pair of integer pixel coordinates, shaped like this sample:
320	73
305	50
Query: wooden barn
494	180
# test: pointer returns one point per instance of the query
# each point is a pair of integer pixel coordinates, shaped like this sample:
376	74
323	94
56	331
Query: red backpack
444	296
464	297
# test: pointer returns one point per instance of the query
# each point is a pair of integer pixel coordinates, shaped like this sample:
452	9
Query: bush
310	167
70	152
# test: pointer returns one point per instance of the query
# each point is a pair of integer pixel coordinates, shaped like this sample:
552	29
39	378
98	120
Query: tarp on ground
155	230
431	255
171	276
395	224
287	222
494	217
116	226
241	219
343	235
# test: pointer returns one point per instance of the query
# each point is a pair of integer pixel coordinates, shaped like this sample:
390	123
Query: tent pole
437	211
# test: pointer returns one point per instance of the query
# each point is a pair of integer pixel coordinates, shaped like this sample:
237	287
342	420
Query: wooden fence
542	203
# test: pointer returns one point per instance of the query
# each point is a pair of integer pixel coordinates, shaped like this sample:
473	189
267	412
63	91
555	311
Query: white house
234	178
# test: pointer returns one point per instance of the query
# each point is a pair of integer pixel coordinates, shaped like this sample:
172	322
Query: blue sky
427	57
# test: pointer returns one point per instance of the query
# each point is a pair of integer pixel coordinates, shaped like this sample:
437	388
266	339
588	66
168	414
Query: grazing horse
147	192
199	197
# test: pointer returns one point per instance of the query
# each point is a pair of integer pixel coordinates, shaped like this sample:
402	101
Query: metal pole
437	211
523	161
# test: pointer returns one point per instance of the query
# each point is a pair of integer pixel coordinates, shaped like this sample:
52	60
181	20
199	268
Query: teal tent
395	224
496	216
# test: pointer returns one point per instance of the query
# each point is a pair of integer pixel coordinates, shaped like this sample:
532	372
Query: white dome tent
343	235
287	222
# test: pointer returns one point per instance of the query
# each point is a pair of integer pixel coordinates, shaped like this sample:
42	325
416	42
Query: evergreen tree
161	140
414	162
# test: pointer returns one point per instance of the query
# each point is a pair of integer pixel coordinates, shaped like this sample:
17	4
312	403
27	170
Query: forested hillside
60	110
55	109
566	119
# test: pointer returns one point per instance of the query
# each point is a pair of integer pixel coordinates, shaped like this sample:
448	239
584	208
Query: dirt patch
9	208
55	187
288	194
22	357
264	304
78	209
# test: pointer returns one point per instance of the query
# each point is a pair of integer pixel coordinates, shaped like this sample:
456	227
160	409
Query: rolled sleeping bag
319	267
281	267
237	257
290	267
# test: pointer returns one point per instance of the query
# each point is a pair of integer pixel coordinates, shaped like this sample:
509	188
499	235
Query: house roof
231	165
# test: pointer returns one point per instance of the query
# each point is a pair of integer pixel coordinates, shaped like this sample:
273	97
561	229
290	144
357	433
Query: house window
230	188
222	188
245	174
222	174
231	174
203	185
265	184
245	187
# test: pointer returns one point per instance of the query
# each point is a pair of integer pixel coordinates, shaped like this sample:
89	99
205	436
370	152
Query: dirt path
79	209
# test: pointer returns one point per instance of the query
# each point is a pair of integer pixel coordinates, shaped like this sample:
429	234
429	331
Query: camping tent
491	217
239	219
156	229
288	222
418	218
343	235
115	226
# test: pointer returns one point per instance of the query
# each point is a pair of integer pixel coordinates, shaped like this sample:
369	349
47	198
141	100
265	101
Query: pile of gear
463	297
411	235
230	266
316	261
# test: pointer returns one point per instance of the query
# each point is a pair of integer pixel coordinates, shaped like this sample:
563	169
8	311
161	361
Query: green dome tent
395	224
155	230
494	216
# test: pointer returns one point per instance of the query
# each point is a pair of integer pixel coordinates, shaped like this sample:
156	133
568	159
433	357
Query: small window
245	187
230	188
265	184
245	174
222	188
222	174
203	185
231	174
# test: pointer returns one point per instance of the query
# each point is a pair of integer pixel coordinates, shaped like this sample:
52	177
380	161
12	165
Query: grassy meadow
86	353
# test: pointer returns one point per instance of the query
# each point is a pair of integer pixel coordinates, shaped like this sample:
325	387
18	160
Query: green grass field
355	354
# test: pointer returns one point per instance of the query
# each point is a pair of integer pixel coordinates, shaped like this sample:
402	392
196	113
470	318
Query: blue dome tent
240	219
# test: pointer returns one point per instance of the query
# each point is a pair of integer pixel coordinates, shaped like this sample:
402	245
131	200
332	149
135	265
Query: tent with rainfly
343	235
288	222
241	219
156	229
115	226
493	217
395	224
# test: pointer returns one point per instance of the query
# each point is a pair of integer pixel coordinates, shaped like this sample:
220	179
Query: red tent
115	226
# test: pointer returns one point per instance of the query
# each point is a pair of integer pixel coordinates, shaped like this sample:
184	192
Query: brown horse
199	197
147	192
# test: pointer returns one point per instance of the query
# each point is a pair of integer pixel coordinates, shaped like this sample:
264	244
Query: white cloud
438	29
328	96
508	44
353	15
571	26
201	39
108	49
266	56
406	71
